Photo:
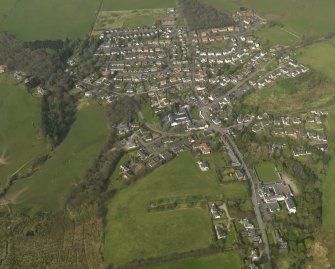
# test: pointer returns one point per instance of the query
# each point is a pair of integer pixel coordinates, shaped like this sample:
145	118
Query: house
274	192
240	175
216	211
167	21
204	148
3	68
179	118
247	225
290	204
123	129
203	165
221	232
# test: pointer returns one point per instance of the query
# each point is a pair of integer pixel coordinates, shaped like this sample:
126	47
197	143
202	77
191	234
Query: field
285	97
272	36
320	57
21	140
266	172
328	185
132	232
137	4
127	18
301	17
48	188
219	261
53	19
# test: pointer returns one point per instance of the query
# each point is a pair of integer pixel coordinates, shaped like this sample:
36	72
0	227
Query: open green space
320	57
301	17
21	140
266	172
48	188
131	232
127	18
52	19
272	36
6	6
328	184
229	260
137	4
288	96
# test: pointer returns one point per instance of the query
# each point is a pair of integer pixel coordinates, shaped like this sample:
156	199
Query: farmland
266	172
320	57
301	17
48	188
21	140
39	19
128	215
136	4
219	261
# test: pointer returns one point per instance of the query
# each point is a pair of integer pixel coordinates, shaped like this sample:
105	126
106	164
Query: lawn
48	188
21	139
230	260
272	36
6	6
328	184
266	172
320	57
137	4
301	17
52	19
133	233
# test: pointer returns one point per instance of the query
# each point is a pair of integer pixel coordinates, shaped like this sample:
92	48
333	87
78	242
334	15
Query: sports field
52	19
320	57
48	188
328	184
229	260
266	172
136	4
21	140
132	232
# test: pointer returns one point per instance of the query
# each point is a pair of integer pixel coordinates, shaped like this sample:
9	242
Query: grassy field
272	36
219	261
6	6
301	17
127	18
52	19
133	233
137	4
21	140
328	185
285	97
320	57
48	188
266	172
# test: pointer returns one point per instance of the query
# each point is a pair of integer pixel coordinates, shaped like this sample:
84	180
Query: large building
272	193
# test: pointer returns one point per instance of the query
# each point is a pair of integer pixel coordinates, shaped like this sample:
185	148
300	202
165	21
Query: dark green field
21	139
51	19
49	186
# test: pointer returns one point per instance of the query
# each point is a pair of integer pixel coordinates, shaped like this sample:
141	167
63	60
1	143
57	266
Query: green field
220	261
21	140
132	232
301	17
137	4
6	6
52	19
48	188
320	57
266	172
272	36
127	18
328	184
